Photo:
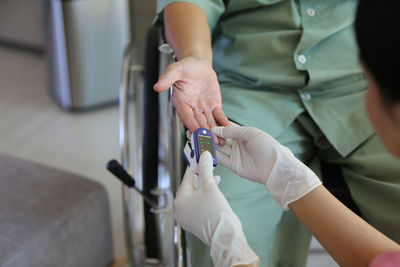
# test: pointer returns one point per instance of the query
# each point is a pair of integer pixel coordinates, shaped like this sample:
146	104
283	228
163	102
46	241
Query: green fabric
312	104
372	175
214	9
283	240
256	45
339	111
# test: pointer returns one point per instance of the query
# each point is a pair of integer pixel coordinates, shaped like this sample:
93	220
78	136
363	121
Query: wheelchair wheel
150	138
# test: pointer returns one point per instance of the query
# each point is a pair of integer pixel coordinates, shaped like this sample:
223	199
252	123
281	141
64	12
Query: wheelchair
155	159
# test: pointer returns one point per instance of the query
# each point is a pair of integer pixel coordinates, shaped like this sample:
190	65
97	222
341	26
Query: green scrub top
276	59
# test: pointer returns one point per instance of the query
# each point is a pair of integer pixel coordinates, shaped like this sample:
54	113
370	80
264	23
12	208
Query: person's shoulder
390	259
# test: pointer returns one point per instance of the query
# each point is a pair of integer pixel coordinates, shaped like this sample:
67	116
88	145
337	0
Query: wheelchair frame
153	238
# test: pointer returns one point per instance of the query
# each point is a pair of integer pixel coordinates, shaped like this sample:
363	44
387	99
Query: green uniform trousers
277	237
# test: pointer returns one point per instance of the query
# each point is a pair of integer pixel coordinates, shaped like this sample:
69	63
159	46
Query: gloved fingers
233	123
227	150
188	135
232	131
229	142
223	159
205	168
217	179
188	182
221	119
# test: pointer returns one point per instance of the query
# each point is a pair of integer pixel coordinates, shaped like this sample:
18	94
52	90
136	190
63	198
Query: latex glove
205	212
196	95
256	156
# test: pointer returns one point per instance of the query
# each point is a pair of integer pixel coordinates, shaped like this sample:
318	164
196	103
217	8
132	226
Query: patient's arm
197	96
348	238
187	31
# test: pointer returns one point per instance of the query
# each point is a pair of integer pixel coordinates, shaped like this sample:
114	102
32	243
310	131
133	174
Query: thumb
205	167
172	74
187	185
188	135
233	131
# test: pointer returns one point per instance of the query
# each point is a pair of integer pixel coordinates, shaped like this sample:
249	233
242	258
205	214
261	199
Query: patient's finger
210	119
229	142
200	118
187	117
220	141
220	117
211	123
172	74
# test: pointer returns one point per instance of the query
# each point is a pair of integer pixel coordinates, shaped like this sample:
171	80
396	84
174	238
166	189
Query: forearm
348	239
187	31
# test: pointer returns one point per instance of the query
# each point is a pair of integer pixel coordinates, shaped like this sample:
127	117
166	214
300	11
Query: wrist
287	185
204	57
187	30
229	246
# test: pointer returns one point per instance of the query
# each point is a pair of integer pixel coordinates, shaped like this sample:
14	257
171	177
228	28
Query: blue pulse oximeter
202	140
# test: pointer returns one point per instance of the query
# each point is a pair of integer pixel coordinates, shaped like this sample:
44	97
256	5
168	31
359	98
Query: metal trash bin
85	44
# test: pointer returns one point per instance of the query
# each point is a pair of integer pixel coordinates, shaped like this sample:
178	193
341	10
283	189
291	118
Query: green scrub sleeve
212	8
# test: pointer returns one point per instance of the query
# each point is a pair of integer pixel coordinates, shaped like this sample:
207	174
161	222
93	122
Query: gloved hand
205	212
256	156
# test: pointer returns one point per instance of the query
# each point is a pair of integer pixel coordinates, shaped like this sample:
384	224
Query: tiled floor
33	127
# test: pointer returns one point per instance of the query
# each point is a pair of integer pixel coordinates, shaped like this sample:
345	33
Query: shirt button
302	59
305	96
311	12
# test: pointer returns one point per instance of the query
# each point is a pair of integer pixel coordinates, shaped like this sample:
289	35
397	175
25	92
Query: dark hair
377	29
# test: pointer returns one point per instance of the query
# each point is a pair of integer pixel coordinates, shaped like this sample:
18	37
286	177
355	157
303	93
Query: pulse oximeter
201	140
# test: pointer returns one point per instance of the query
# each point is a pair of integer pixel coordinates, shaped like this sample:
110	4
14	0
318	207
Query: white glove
205	212
256	156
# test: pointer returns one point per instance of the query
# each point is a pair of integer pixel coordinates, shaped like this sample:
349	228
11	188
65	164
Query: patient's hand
196	95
